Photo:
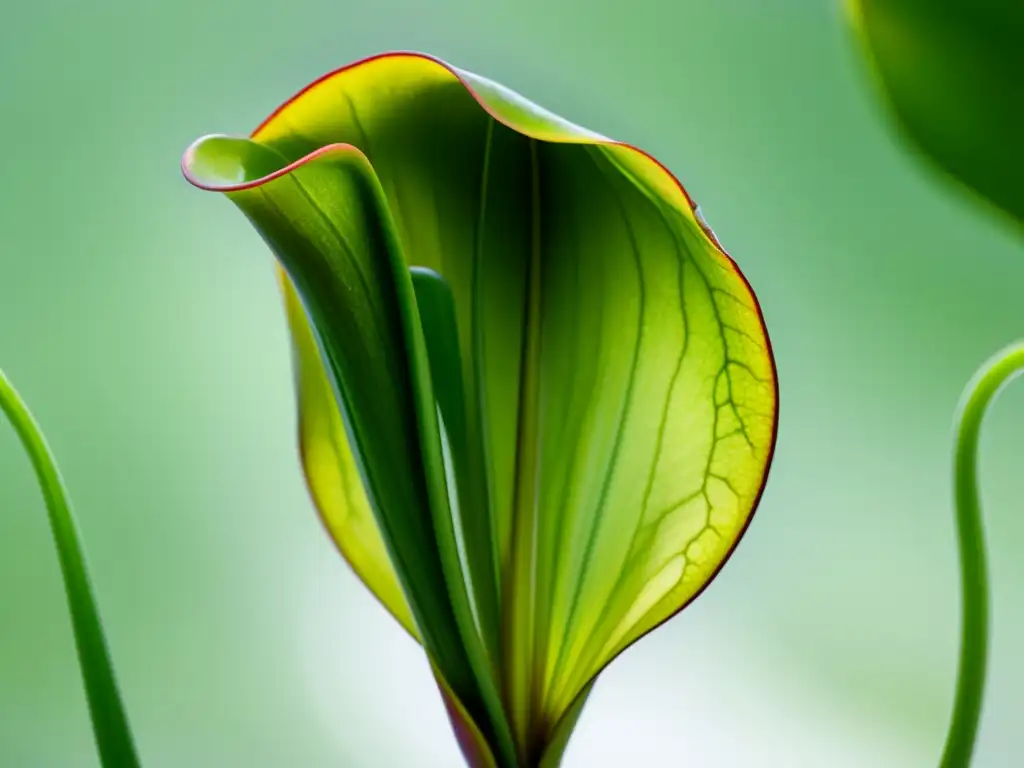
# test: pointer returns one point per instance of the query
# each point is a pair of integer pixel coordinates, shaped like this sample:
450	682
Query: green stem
970	685
110	724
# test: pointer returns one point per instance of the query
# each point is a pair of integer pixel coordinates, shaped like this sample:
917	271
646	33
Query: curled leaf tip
537	399
219	163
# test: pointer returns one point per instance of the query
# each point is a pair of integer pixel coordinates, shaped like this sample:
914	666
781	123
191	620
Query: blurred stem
970	686
110	724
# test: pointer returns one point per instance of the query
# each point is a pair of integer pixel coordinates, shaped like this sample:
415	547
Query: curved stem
110	724
970	685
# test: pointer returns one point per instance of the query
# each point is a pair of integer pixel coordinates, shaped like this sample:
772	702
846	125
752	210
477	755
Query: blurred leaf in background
953	74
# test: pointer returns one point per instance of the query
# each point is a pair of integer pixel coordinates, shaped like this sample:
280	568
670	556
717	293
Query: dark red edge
463	735
693	206
327	149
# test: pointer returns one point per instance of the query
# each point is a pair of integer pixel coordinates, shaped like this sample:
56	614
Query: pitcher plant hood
537	400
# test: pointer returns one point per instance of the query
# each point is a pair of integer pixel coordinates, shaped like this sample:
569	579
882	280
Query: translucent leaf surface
555	385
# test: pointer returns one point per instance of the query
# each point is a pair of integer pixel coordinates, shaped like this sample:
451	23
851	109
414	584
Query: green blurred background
141	321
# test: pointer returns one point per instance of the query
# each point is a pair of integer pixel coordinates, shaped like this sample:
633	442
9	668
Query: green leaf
109	720
556	387
329	225
951	72
332	472
438	313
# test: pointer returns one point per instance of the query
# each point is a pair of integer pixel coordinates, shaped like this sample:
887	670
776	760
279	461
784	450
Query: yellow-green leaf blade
660	389
332	474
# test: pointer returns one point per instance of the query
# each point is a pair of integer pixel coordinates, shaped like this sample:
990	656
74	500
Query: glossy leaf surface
952	73
554	387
